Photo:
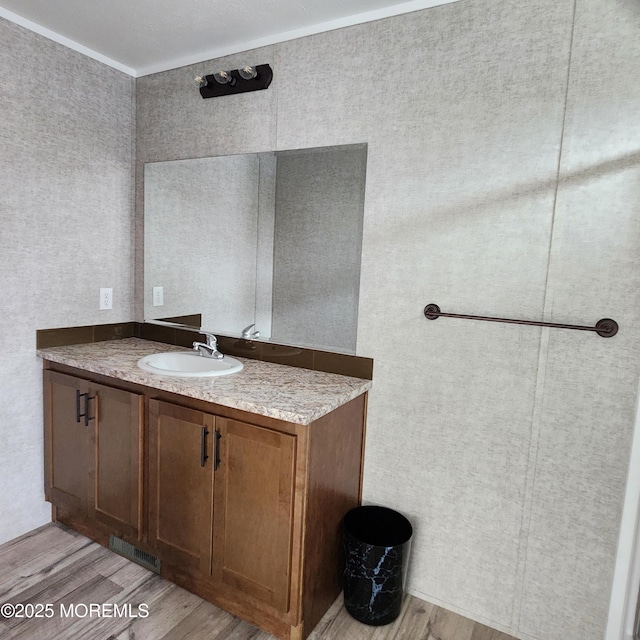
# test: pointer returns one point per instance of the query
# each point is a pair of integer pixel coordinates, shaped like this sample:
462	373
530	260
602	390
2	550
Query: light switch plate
158	296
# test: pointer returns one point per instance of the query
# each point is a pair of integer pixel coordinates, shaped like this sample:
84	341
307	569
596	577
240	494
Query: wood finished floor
56	566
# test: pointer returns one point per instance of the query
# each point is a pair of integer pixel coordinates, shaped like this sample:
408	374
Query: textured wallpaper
502	179
317	248
201	236
66	229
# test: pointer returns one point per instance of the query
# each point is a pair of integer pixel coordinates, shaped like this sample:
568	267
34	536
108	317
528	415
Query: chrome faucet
210	349
247	334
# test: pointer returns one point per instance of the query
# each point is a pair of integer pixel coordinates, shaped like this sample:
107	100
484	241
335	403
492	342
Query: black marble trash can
376	548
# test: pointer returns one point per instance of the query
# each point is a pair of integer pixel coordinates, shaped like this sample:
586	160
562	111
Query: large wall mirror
271	239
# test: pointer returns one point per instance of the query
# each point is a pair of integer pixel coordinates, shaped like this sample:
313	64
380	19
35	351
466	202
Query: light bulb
247	73
224	77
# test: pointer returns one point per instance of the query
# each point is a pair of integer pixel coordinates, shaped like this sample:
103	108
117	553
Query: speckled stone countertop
274	390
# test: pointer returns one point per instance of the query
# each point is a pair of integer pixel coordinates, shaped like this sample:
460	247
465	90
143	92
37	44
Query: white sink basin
188	364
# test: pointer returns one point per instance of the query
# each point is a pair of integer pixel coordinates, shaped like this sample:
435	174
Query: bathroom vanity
235	487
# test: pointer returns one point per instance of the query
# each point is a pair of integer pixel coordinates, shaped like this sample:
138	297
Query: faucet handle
247	334
210	349
212	341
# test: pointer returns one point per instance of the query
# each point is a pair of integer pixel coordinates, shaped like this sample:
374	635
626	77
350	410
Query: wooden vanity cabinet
67	456
93	451
221	505
242	509
268	496
253	516
181	477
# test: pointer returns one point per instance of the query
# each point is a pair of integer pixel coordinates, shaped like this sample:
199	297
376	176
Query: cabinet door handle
84	415
216	451
78	396
203	446
87	398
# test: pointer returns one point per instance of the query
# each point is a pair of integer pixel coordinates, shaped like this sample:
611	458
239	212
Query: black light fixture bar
213	89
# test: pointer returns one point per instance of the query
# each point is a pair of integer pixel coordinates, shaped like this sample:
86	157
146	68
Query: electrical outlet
106	298
158	296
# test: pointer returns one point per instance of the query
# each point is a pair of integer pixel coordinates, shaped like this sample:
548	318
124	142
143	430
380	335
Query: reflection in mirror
271	239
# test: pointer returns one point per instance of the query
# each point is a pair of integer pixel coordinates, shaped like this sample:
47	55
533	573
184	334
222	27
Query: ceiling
141	37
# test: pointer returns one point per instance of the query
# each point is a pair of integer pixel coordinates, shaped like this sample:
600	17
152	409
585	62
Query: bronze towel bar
606	327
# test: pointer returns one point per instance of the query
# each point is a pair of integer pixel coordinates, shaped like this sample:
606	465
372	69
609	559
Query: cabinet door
253	516
116	469
181	473
66	441
92	450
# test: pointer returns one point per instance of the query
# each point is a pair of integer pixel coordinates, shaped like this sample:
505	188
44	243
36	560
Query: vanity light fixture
226	83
